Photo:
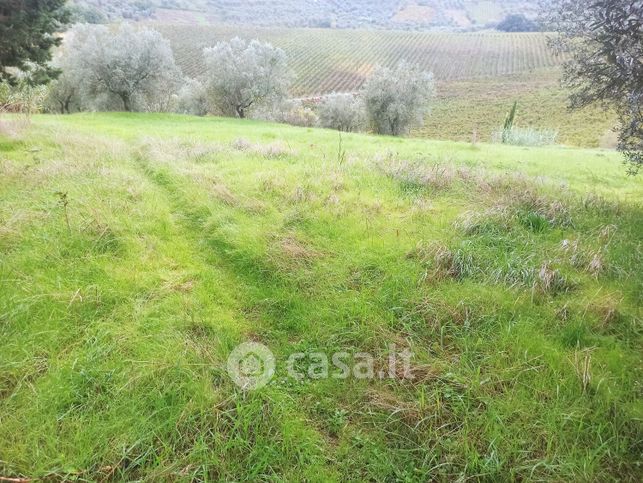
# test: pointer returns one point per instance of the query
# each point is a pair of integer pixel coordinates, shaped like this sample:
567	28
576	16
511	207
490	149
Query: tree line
133	69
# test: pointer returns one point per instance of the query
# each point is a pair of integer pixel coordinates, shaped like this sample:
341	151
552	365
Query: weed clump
436	177
591	261
489	222
241	144
442	262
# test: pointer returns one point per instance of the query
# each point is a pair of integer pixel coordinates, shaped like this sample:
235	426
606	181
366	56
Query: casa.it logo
251	366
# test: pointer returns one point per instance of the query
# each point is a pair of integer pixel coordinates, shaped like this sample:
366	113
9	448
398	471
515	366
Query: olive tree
64	94
125	68
343	112
397	99
604	42
242	75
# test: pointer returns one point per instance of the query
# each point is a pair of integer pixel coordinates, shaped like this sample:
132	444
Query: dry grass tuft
433	176
517	194
178	285
223	193
241	144
550	280
296	250
593	262
599	204
491	221
391	404
534	210
276	150
582	364
607	310
14	224
289	253
173	150
302	194
442	262
14	127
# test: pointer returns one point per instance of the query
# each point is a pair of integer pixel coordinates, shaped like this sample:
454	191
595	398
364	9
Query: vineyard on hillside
478	75
341	60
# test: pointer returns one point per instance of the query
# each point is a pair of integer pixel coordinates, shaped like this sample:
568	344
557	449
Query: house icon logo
251	365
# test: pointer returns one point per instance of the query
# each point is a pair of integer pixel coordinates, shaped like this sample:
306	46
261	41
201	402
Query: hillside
479	75
390	14
137	251
340	61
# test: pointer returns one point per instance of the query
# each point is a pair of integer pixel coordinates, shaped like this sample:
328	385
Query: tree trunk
126	102
66	107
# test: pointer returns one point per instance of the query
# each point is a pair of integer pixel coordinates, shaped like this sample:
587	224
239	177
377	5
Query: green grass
481	105
507	271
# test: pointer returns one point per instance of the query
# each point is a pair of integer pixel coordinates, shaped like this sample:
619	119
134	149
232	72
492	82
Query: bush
21	98
343	112
192	98
291	112
296	114
526	136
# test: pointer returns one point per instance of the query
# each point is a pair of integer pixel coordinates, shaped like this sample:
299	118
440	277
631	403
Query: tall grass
517	136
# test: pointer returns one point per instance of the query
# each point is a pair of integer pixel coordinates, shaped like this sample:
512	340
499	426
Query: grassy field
138	250
472	95
481	105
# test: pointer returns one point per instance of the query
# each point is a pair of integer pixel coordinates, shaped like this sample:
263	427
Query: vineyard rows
341	60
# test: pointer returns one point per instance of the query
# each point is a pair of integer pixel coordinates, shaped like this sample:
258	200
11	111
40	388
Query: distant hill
456	15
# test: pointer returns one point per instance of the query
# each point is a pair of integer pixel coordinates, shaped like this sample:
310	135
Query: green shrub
21	98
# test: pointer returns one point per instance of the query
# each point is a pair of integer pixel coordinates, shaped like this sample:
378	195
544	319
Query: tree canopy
126	68
397	99
517	23
242	75
27	34
605	41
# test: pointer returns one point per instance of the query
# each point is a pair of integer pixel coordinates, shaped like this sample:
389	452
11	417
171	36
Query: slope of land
407	14
479	75
137	250
327	61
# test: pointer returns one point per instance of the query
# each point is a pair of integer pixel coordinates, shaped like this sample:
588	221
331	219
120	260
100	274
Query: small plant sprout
341	152
509	123
63	200
583	365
